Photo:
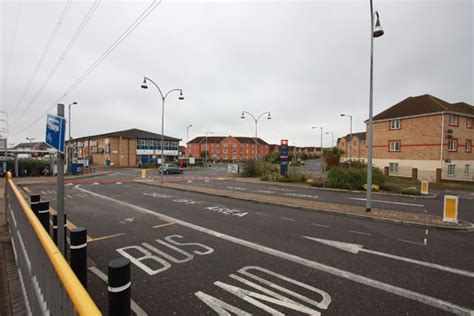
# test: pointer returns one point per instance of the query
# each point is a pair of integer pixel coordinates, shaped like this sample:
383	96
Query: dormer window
395	124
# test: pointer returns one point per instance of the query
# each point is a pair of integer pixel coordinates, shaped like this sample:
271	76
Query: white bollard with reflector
424	187
450	211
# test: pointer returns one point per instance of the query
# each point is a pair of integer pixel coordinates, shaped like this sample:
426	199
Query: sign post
55	136
284	157
450	210
233	169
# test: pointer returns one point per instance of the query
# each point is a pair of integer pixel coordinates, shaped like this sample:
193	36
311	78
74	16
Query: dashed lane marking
389	288
361	233
413	242
320	225
287	219
262	214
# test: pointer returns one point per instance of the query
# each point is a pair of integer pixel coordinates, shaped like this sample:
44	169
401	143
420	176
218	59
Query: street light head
378	31
242	116
269	117
181	96
343	115
74	103
144	85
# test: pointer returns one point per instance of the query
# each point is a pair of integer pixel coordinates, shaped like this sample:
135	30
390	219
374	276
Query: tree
332	156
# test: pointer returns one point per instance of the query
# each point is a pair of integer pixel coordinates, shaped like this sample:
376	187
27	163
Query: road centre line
412	242
263	214
361	233
287	219
134	306
389	202
421	298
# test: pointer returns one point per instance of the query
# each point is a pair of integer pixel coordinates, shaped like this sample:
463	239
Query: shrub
411	191
253	168
332	156
274	176
353	179
33	167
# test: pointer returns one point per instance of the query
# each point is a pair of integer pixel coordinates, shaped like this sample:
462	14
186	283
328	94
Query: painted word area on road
213	208
258	288
153	260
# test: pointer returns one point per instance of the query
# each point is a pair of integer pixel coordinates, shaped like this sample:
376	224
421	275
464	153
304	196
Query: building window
453	145
469	122
225	151
466	169
394	167
453	120
394	145
234	151
451	170
225	145
234	145
395	124
468	147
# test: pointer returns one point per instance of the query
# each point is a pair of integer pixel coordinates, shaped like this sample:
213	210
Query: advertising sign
192	160
55	132
284	157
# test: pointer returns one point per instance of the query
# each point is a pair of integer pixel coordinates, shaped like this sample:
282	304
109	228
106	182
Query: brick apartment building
227	148
426	133
359	147
275	148
125	148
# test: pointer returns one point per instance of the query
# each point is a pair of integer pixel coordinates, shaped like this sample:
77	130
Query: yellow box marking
164	225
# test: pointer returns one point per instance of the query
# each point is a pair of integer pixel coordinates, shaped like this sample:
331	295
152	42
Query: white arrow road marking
355	248
418	297
389	202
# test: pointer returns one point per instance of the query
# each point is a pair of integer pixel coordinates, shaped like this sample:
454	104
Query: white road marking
361	233
95	183
421	298
288	219
134	306
356	248
412	242
320	225
43	192
389	202
426	232
118	182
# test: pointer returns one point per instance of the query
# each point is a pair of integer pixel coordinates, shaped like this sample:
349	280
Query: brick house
426	133
125	148
359	147
221	148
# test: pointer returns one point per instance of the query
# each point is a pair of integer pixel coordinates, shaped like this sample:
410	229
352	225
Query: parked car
169	168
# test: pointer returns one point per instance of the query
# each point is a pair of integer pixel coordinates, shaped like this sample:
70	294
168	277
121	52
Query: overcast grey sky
305	61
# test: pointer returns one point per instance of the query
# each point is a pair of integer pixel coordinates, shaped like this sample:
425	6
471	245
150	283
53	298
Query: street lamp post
207	150
256	124
375	31
31	149
350	139
332	138
322	162
187	144
69	149
163	99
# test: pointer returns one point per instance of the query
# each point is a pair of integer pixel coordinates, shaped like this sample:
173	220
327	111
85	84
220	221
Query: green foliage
411	191
355	164
33	167
272	158
253	168
332	156
304	156
274	176
295	163
353	179
148	165
203	154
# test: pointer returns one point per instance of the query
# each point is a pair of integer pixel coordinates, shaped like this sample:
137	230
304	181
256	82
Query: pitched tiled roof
131	133
218	139
360	136
423	104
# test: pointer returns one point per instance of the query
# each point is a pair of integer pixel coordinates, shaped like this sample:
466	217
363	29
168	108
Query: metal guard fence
401	171
49	285
457	175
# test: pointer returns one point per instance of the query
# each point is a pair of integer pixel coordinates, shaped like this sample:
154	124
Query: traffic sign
55	132
233	168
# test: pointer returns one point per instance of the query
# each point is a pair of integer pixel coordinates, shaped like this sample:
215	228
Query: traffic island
396	217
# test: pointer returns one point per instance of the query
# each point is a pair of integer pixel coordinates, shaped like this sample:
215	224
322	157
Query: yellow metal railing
81	300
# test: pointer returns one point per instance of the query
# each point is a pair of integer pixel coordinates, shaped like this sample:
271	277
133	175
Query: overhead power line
61	57
99	60
44	53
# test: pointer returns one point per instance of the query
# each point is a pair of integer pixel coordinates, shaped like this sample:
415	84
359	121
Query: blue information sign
55	132
284	157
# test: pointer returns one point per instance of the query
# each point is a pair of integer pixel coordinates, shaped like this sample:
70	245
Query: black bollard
43	214
35	198
35	207
78	253
119	287
54	227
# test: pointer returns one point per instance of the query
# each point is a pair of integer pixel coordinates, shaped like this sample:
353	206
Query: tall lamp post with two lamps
256	126
350	138
163	99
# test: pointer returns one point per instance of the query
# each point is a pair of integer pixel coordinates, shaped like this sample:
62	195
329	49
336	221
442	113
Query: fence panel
49	285
458	174
429	175
401	171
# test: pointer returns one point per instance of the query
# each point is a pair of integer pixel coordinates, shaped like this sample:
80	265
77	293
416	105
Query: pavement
397	217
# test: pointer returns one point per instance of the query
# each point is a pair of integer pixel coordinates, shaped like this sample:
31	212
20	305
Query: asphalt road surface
195	254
